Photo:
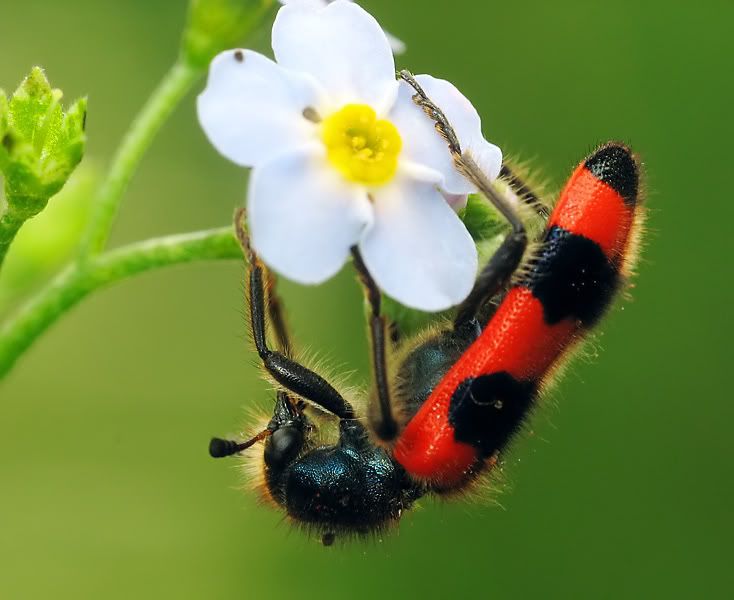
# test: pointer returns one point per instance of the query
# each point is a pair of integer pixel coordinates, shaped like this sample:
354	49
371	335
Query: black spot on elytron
615	165
488	410
572	277
239	56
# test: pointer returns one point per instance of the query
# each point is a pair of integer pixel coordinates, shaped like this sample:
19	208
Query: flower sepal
481	220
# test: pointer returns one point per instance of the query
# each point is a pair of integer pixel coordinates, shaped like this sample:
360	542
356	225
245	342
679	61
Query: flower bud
217	25
40	146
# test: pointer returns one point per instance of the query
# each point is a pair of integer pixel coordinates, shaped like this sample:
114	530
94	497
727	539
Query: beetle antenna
219	448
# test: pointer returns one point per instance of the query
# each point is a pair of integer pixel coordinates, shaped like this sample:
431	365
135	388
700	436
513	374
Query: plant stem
171	90
78	280
10	223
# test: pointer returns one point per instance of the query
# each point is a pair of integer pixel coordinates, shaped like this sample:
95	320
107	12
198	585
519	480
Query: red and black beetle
448	410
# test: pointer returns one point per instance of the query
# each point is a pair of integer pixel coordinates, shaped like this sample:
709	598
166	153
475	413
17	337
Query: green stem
78	280
174	86
9	225
13	219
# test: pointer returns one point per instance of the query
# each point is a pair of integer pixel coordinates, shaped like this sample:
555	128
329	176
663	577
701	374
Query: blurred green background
624	490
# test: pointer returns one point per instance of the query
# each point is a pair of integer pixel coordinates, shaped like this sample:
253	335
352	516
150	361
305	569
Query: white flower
342	157
398	46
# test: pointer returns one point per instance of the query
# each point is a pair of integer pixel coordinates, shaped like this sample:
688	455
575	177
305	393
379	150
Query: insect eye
283	446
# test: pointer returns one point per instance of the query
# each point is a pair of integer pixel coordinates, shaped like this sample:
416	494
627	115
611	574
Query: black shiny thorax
355	486
352	486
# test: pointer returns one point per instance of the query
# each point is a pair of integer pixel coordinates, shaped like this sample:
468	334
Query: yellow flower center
362	147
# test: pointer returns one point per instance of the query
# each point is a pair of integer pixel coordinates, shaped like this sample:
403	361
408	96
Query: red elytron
446	411
541	317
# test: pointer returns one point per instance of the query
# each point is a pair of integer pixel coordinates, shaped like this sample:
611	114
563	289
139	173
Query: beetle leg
497	272
292	375
384	423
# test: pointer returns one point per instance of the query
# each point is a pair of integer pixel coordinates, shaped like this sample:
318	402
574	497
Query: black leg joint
307	384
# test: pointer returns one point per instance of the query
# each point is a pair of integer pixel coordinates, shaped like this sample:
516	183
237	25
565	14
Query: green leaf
481	219
34	109
409	320
69	141
218	25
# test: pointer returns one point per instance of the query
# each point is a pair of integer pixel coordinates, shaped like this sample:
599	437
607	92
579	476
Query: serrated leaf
66	148
34	101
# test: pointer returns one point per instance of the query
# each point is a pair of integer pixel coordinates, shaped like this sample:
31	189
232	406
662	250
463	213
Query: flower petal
423	145
252	109
310	3
397	45
303	216
343	47
456	201
418	250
